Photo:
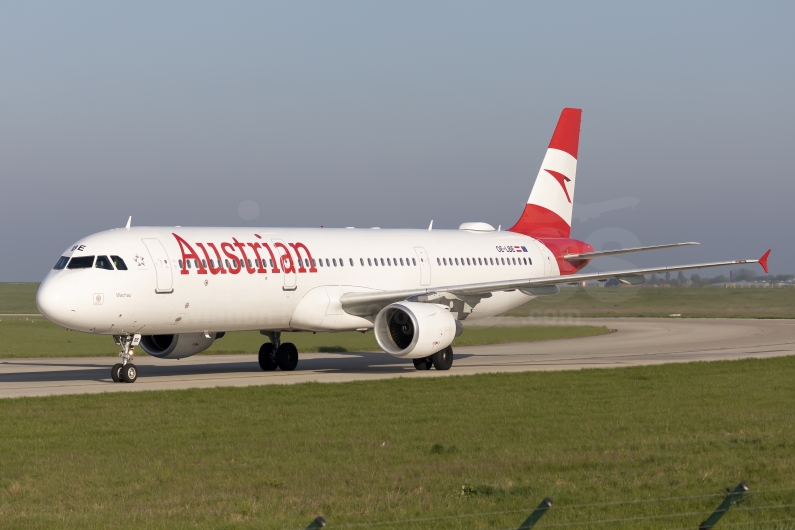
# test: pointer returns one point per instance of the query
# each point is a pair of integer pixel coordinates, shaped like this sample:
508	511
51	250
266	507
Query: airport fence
766	515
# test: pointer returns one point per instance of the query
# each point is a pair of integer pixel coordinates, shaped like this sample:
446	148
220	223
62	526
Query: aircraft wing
370	303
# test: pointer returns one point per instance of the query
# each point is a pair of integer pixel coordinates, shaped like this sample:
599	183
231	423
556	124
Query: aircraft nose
57	299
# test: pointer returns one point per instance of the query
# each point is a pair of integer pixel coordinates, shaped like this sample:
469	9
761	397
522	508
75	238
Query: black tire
267	358
423	364
287	357
443	360
129	373
115	373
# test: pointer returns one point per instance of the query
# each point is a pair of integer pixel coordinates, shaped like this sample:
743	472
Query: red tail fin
548	210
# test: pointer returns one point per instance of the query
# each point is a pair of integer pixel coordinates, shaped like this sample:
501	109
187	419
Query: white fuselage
163	292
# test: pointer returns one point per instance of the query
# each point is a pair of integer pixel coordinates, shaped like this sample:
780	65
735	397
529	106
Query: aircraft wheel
287	356
423	364
267	359
129	373
443	360
115	373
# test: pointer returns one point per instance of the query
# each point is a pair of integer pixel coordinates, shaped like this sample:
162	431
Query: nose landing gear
125	371
275	354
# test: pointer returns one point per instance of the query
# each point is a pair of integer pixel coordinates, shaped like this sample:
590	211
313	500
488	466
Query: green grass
277	456
37	337
707	302
18	298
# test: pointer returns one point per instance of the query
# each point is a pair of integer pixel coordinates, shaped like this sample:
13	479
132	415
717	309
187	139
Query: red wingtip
763	260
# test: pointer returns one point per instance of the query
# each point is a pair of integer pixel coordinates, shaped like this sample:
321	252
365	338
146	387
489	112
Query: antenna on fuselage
499	227
430	226
128	222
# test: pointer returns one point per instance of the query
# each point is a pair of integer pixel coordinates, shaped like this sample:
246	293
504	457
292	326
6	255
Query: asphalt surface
635	342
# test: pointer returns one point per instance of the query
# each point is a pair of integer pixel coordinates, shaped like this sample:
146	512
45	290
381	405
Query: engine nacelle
413	330
177	346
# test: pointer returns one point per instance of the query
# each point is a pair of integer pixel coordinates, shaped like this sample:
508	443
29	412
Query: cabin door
162	267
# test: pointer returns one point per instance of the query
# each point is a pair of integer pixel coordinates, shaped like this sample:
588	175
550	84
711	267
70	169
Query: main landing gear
125	371
441	360
275	354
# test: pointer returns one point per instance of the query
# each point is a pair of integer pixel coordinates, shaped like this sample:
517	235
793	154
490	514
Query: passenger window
382	262
104	263
514	261
119	263
503	260
414	261
401	262
368	262
351	260
375	260
249	263
227	264
456	261
62	261
180	264
328	263
188	262
361	260
321	261
341	262
438	261
491	260
271	263
83	262
335	261
389	262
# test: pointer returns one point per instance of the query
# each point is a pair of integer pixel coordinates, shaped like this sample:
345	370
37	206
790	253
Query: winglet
128	222
763	260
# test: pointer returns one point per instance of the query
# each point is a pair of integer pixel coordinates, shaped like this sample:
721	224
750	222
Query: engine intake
413	330
177	346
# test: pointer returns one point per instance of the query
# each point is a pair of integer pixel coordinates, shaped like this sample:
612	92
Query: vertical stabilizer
548	210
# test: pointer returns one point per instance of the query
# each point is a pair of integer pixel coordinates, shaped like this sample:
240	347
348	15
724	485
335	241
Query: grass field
364	452
37	337
711	302
18	298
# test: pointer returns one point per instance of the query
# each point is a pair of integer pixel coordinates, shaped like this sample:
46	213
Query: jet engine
413	330
177	346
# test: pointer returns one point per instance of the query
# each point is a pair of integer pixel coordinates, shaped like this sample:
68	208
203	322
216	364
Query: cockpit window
83	262
104	263
120	265
62	261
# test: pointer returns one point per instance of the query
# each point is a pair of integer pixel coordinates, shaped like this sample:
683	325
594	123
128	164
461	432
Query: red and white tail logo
548	210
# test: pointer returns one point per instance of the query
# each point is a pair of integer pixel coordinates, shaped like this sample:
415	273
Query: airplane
176	290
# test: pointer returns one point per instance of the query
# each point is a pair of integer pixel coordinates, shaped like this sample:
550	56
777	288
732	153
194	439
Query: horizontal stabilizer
591	255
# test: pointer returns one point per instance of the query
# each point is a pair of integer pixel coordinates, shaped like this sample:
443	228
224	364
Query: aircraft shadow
346	362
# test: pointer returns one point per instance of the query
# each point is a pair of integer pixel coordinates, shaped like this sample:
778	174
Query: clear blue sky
393	114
